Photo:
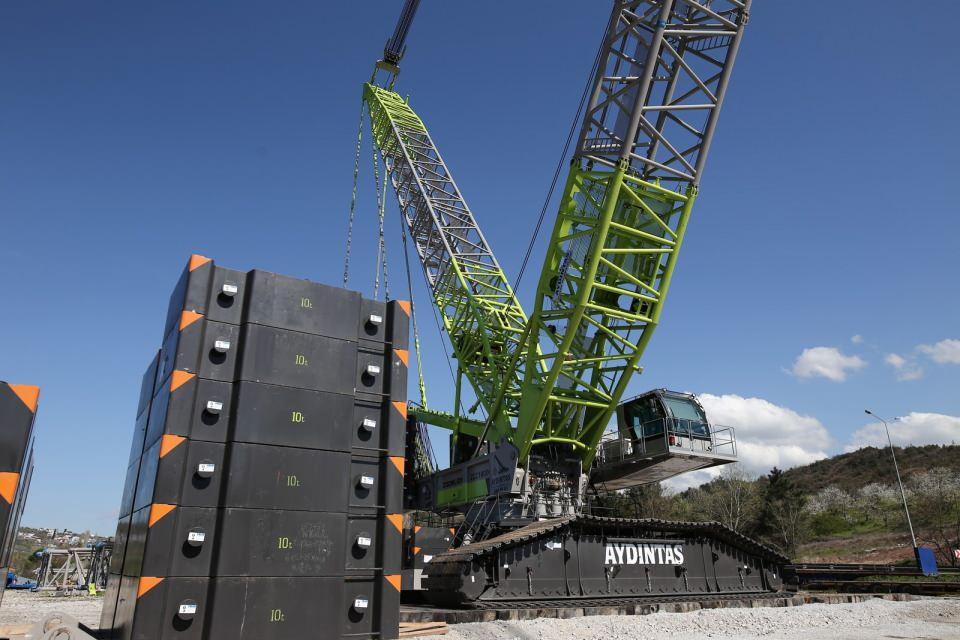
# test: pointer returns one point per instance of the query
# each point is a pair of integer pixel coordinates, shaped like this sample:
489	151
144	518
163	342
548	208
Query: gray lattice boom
660	117
662	73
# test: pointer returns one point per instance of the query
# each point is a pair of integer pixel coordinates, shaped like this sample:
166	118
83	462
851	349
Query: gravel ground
24	607
929	619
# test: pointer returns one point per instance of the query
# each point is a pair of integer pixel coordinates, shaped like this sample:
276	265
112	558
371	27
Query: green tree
783	522
732	499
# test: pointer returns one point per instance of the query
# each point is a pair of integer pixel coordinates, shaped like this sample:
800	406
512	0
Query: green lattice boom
480	313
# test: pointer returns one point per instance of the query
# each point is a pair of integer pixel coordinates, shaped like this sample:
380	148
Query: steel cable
413	315
353	198
382	244
556	173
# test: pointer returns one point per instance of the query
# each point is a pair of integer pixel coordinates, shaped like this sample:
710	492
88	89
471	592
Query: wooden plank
12	630
411	627
420	629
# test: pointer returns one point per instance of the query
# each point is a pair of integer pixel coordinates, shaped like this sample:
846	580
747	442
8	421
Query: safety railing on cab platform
667	434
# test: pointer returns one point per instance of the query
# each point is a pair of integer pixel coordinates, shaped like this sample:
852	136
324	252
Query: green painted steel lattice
479	310
554	381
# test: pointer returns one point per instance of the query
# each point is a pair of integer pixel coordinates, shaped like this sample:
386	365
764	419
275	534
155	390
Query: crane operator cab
660	434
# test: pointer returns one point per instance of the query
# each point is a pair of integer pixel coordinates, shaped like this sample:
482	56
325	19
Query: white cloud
826	362
857	339
916	428
944	352
895	360
771	435
690	479
910	374
768	435
907	369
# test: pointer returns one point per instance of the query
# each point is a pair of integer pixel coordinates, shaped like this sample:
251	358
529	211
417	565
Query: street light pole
903	494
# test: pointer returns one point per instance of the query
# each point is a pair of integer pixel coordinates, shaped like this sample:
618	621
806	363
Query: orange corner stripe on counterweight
180	378
187	318
28	394
398	462
396	519
405	305
168	443
417	550
416	528
197	261
400	406
394	580
404	356
8	485
158	511
147	583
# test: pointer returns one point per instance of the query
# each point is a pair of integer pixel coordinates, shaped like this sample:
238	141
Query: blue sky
133	135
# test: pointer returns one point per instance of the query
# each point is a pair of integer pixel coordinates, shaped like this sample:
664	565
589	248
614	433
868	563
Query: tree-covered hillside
845	508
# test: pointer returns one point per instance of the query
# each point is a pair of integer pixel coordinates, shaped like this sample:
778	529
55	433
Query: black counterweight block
199	346
209	290
269	477
272	542
192	407
167	540
180	471
18	408
295	359
291	417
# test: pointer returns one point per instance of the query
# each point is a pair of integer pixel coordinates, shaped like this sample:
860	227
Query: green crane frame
556	379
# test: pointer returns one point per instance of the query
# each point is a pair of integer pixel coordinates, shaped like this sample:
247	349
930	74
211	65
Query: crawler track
602	560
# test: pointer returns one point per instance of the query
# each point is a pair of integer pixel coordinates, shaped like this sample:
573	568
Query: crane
550	383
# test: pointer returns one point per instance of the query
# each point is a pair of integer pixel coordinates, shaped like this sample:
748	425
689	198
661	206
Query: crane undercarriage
590	557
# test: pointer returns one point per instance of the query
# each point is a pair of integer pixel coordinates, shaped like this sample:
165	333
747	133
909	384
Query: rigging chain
413	315
353	198
381	245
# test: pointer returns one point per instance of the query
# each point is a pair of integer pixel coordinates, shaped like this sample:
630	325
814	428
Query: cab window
689	415
644	416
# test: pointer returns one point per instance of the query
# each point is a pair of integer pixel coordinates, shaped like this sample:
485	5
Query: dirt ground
876	548
925	619
24	607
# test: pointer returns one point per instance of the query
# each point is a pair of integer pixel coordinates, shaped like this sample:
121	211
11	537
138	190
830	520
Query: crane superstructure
550	384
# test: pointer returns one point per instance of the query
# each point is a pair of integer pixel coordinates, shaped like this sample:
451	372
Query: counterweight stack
18	410
266	472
